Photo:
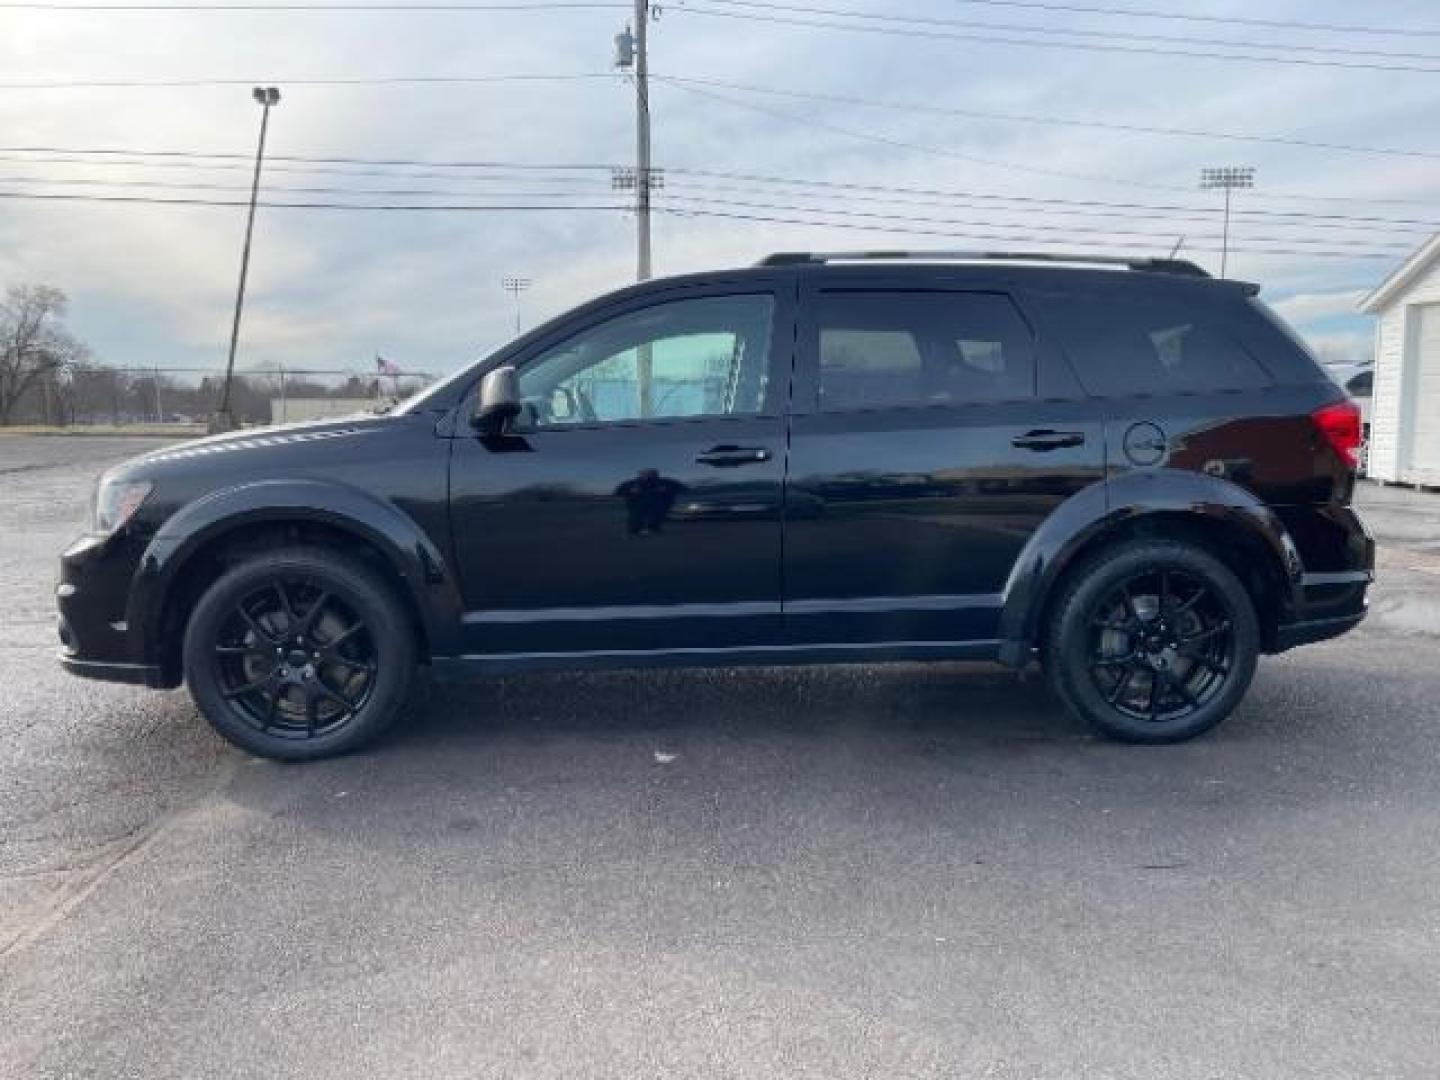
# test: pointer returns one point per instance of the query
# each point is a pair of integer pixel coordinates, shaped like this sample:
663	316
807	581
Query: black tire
1152	641
300	653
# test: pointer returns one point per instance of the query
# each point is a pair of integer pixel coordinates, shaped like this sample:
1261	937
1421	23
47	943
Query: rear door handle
1043	439
727	456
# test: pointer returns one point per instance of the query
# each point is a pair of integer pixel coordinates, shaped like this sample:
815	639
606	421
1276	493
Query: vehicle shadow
959	700
939	746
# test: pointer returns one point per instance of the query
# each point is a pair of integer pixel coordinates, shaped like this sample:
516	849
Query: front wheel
300	653
1155	641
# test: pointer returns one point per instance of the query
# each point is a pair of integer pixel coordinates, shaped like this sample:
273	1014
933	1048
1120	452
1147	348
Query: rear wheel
299	654
1154	641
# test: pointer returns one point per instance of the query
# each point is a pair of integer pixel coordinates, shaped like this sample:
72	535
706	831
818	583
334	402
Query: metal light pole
1226	179
265	97
515	286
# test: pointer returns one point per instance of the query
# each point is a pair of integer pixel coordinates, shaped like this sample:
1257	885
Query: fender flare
419	565
1118	502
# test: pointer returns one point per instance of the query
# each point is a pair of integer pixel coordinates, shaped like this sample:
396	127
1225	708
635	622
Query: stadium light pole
515	286
266	97
1227	179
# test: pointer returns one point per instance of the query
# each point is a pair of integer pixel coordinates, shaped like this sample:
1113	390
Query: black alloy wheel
1161	646
300	653
1152	641
294	661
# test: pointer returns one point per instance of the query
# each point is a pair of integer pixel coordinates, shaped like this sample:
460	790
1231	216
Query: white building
1405	410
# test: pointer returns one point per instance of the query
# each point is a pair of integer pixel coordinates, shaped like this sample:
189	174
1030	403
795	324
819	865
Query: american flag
385	367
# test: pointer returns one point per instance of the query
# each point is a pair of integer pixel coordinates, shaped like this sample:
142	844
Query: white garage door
1425	419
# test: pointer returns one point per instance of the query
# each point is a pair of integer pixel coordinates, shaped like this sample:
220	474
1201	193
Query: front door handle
725	457
1043	439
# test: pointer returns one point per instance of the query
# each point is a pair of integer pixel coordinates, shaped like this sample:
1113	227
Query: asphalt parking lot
841	872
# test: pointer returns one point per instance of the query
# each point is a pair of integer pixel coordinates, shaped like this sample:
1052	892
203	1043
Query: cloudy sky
1013	125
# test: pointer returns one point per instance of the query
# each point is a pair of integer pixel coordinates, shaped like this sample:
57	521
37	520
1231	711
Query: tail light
1339	425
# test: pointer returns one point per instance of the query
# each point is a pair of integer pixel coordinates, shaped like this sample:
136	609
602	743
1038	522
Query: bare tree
34	344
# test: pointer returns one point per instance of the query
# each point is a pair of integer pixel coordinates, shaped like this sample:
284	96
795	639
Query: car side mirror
498	402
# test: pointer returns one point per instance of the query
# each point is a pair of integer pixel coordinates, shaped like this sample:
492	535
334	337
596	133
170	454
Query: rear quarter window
1123	345
1276	342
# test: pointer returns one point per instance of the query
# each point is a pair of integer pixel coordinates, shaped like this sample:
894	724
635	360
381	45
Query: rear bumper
1335	565
1326	606
1313	630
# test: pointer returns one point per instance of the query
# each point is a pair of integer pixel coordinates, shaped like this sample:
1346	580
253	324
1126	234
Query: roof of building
1402	278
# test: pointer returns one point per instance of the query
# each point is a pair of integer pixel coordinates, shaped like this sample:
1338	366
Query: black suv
1123	468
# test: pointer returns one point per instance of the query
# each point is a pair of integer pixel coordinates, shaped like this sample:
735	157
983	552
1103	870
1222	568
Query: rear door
932	434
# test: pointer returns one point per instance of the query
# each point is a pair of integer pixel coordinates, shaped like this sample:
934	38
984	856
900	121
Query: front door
927	447
636	507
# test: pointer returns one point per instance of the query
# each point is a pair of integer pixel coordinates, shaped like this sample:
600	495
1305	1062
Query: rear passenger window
1124	345
890	349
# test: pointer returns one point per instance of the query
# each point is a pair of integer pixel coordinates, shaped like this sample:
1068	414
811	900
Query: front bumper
95	639
114	671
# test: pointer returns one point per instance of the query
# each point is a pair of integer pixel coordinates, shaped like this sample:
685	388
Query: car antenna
1177	246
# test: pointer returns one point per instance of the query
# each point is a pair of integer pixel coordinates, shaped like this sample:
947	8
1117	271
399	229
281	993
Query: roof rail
1139	263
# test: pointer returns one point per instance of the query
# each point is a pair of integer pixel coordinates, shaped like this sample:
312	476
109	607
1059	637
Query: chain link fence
183	400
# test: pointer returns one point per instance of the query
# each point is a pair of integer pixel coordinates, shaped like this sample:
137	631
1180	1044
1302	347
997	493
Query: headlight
116	503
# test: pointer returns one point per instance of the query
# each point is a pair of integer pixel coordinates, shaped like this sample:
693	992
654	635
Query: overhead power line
1031	118
1229	20
693	80
710	196
535	5
781	220
148	200
1174	218
285	80
544	5
494	174
883	18
1040	42
113	153
162	185
1033	200
1015	166
824	17
902	229
983	228
922	148
533	172
1177	215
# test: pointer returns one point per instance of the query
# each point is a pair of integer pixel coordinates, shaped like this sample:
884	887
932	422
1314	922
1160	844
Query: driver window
685	358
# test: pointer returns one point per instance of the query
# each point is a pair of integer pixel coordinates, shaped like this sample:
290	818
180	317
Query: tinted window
1135	345
885	349
705	357
1285	356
